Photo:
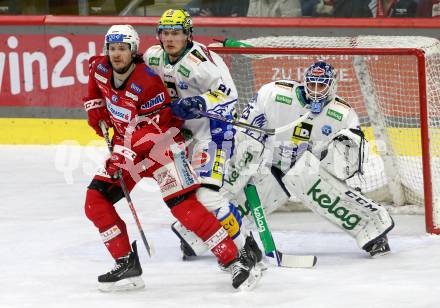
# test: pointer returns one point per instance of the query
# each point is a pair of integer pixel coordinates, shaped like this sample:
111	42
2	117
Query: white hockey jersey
204	73
282	102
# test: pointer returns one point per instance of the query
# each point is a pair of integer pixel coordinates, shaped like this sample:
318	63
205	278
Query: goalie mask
320	85
122	34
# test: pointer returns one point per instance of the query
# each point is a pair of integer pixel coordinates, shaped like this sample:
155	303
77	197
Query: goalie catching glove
344	156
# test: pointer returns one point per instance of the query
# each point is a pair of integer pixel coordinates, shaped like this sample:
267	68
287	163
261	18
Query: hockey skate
245	274
126	275
187	252
378	247
252	245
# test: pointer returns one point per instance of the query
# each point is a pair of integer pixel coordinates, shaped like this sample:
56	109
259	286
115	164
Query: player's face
174	42
317	89
120	57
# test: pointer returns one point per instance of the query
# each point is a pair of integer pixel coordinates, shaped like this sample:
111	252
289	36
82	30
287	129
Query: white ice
51	254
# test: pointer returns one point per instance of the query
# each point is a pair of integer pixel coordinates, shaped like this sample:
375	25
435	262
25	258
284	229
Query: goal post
393	83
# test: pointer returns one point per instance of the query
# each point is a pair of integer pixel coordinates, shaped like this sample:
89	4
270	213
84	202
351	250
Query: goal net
393	83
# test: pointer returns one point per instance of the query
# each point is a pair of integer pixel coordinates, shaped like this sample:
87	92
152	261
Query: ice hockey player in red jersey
128	96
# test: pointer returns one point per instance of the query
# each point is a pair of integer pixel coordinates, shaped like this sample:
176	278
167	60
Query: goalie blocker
327	196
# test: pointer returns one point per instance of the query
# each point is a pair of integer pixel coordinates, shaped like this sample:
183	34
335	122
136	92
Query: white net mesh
383	89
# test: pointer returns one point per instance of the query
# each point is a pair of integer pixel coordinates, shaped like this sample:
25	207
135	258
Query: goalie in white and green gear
310	161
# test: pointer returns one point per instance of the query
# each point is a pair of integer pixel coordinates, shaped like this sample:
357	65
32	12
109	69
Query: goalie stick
283	259
150	251
267	131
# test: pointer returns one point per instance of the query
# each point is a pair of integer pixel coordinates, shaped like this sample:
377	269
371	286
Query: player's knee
99	210
112	192
175	201
230	219
188	210
195	217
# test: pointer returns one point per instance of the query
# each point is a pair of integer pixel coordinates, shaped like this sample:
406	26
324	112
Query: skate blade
128	284
261	266
380	254
224	269
251	282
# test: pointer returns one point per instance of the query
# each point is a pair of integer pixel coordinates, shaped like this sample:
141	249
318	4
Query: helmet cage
318	88
320	85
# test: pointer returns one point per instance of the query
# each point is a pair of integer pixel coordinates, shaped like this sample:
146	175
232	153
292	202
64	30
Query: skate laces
247	256
122	261
237	268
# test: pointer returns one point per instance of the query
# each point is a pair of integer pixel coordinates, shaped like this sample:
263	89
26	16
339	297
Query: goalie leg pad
271	191
332	199
243	164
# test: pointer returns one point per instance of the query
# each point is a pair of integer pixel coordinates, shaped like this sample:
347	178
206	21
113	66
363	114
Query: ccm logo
92	104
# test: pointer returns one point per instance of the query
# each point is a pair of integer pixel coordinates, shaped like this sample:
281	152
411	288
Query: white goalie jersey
277	104
282	102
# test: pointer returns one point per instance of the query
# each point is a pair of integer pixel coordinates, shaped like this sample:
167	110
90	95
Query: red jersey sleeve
93	91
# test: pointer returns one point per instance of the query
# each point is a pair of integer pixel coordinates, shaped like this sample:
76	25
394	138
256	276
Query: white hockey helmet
122	34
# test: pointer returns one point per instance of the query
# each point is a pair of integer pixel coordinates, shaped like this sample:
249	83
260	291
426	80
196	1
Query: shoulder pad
93	59
342	102
198	55
337	110
153	55
205	51
101	66
284	84
154	48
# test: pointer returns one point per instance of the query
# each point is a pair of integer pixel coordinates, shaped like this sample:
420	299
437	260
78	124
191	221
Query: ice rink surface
51	253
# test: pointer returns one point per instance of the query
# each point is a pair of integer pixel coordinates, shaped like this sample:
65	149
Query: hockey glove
96	112
118	159
186	108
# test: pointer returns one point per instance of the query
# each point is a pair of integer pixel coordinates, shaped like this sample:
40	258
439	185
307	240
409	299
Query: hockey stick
125	191
267	131
283	259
